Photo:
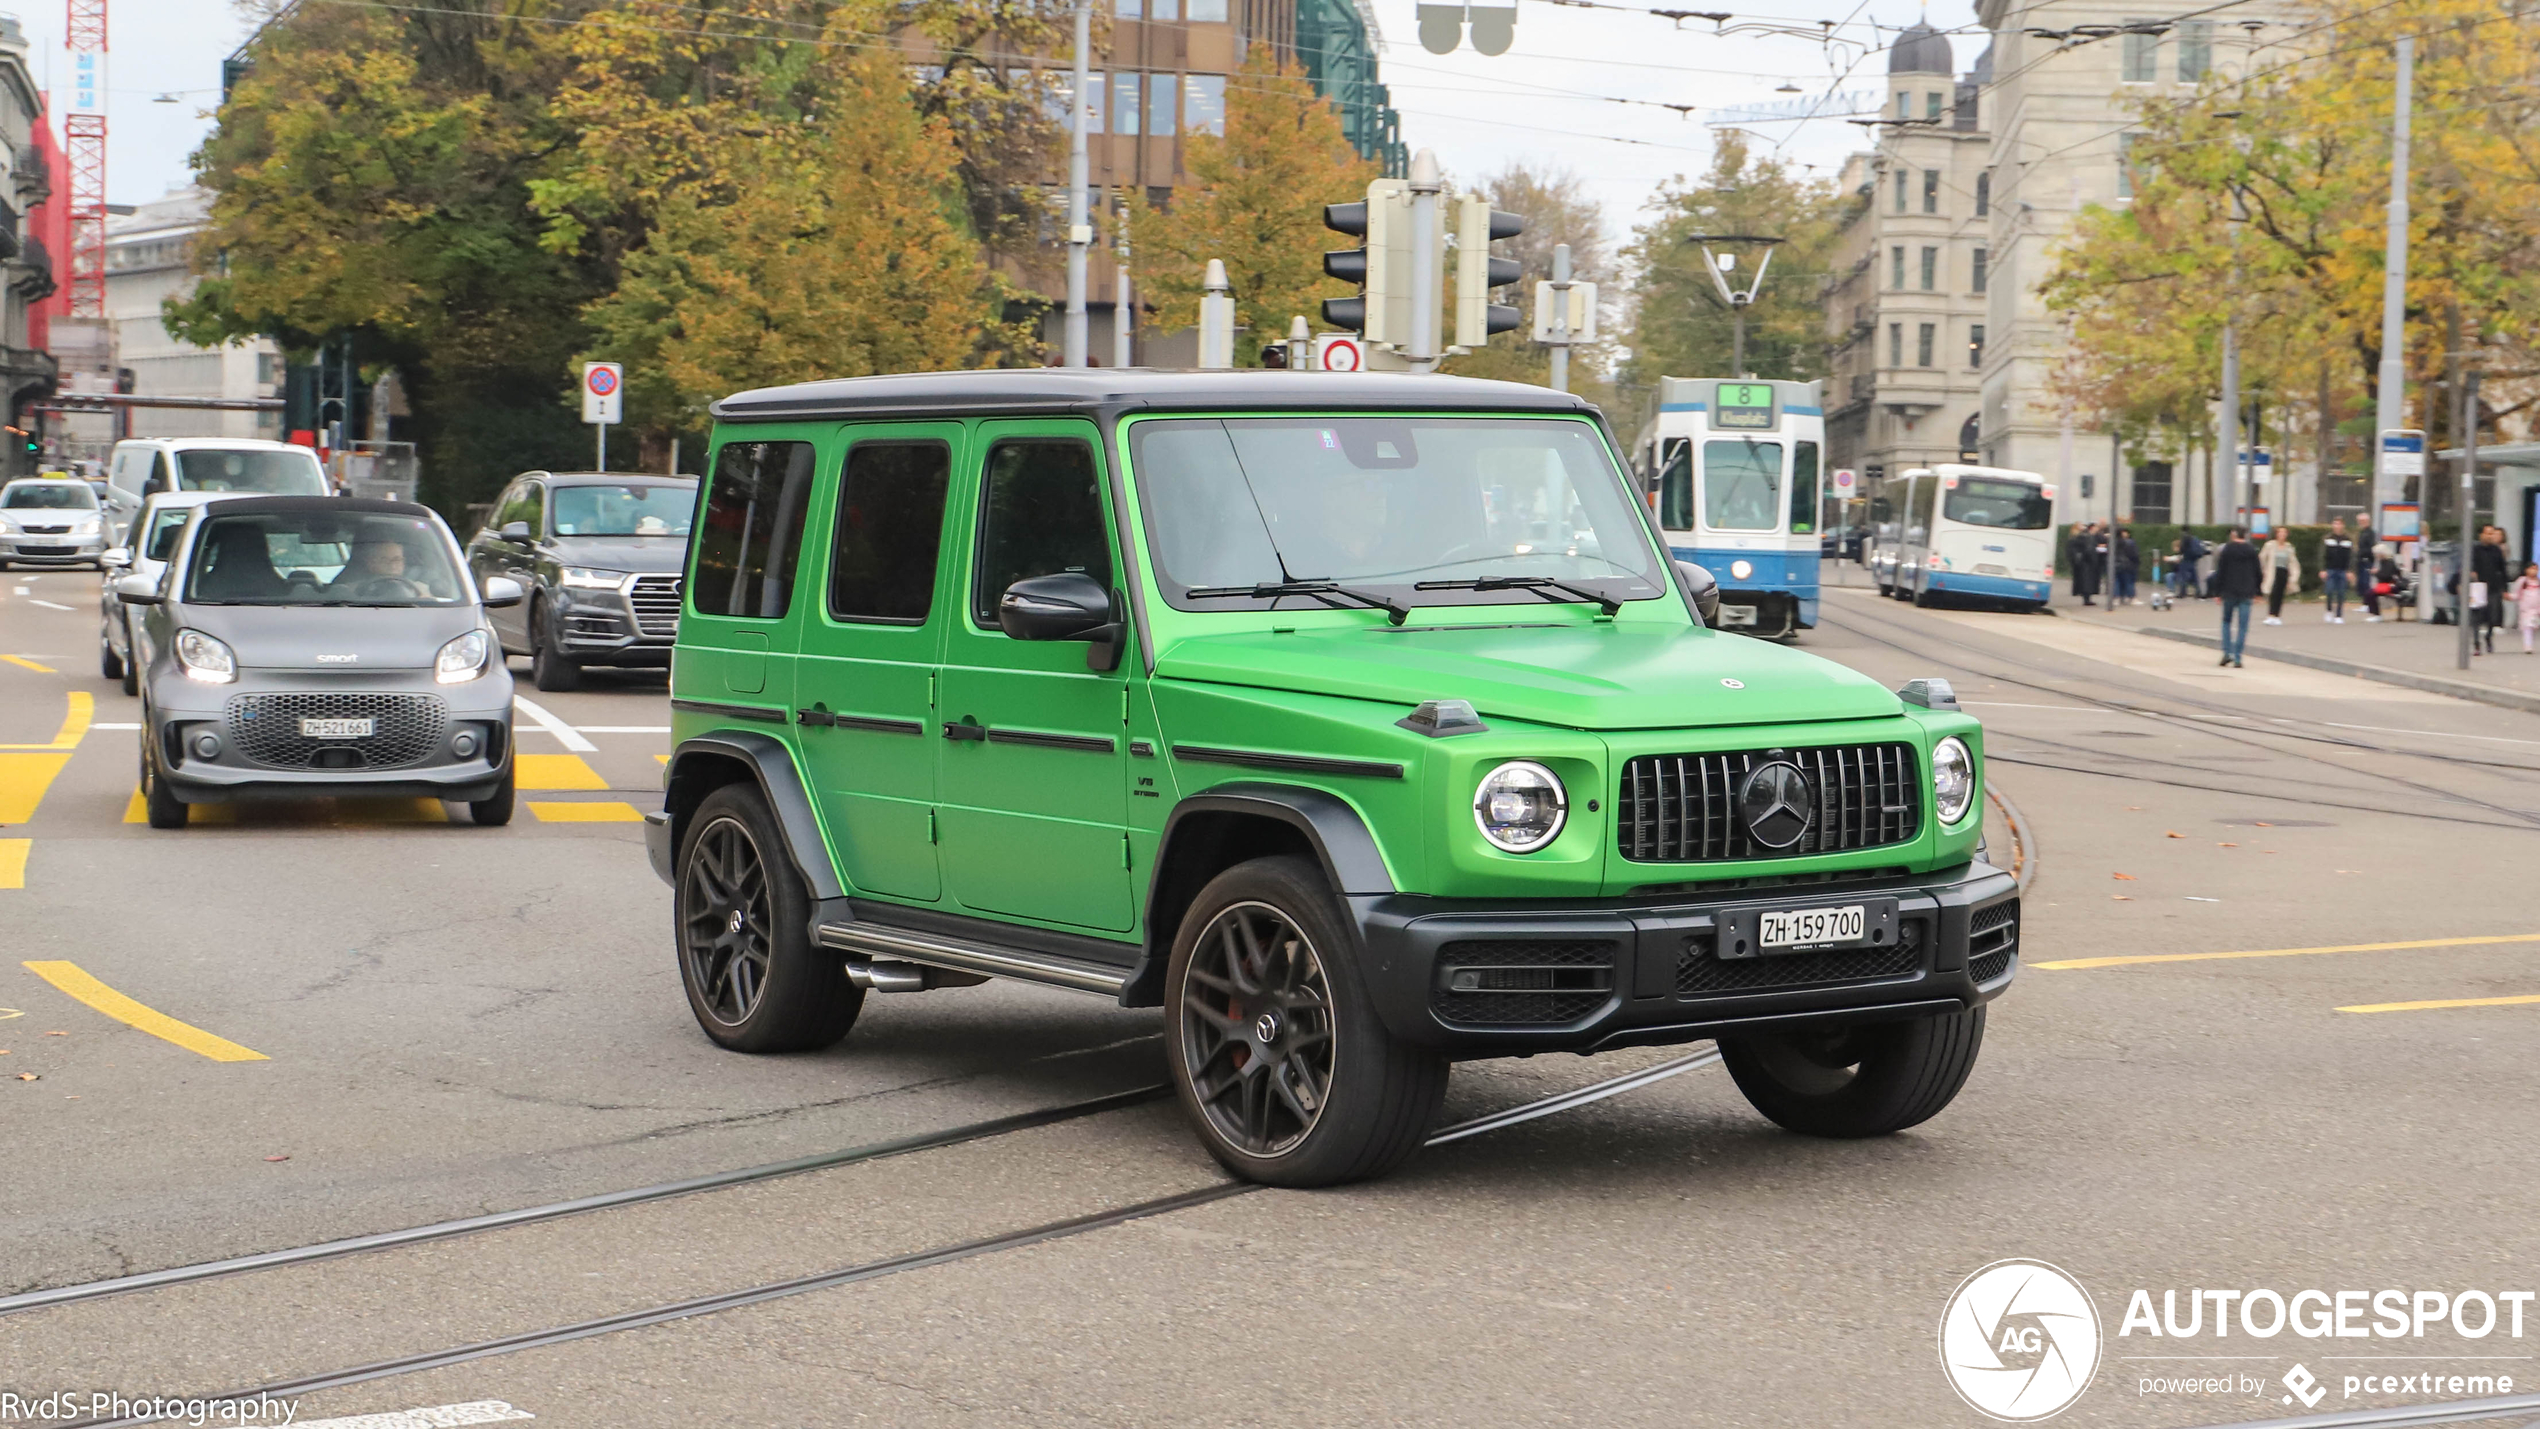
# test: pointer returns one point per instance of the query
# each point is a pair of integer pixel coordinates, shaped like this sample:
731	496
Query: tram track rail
734	1299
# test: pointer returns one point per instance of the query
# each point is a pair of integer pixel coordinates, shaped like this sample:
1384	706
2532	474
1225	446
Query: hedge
2153	538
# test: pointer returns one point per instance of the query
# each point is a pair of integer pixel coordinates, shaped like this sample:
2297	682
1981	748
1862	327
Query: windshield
164	527
1384	504
291	473
2009	505
49	496
322	558
1741	485
630	510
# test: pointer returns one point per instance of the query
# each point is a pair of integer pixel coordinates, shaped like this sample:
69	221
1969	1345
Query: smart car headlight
1520	806
205	658
1953	779
462	660
591	578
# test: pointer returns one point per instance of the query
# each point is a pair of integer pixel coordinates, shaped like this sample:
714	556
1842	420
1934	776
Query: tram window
1741	485
1803	488
1675	487
2006	505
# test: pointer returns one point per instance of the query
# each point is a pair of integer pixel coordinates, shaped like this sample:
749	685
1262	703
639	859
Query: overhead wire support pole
2469	497
1080	229
2389	397
1719	265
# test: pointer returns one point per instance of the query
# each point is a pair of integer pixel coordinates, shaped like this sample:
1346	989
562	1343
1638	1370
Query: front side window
49	496
291	473
890	529
164	529
322	557
1040	514
1803	487
1741	485
751	529
2006	505
635	509
1423	510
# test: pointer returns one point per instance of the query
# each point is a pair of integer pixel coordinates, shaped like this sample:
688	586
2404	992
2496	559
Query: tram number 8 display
1742	405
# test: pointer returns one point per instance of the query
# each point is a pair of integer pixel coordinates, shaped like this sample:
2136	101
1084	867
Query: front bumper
253	765
1491	979
603	627
20	549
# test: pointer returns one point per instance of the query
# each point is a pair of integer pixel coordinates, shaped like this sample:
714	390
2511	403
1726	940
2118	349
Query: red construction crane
84	146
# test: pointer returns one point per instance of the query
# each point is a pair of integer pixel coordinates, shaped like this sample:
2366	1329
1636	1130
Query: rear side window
751	531
890	530
1040	515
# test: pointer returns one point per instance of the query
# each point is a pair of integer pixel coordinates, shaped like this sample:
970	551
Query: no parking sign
603	393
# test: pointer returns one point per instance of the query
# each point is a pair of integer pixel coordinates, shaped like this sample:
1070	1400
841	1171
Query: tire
1859	1081
1924	598
109	664
741	920
494	810
547	669
166	811
131	662
1266	942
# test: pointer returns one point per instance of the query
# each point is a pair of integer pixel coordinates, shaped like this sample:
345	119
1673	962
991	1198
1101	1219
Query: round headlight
1953	779
1520	806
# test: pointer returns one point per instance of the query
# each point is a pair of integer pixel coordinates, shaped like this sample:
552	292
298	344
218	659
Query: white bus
1978	532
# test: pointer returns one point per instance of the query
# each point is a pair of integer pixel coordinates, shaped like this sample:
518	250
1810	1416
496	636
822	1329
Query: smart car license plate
1811	927
335	728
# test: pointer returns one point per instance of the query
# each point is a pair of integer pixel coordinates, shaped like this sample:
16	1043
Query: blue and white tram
1974	531
1734	468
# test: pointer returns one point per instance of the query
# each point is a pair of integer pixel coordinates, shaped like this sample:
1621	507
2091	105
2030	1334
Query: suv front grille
1993	939
1700	972
1523	983
656	603
405	729
1682	808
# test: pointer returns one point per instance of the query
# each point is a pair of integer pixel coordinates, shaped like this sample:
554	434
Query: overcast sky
1548	101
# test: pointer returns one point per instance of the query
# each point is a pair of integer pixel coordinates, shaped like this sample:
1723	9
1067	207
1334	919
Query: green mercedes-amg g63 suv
1360	722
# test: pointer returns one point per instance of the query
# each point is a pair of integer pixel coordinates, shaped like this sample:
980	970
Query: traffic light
1476	272
1382	269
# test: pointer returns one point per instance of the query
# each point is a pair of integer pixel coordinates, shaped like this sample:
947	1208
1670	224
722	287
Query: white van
241	464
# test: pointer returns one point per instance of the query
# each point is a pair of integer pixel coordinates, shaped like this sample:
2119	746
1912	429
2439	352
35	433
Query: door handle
965	730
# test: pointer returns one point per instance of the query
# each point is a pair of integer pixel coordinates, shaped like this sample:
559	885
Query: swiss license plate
335	728
1737	615
1811	927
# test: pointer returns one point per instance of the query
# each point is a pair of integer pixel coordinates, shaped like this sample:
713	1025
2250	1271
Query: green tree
1558	209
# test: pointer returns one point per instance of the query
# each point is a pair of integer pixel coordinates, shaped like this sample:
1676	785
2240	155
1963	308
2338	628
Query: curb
2432	684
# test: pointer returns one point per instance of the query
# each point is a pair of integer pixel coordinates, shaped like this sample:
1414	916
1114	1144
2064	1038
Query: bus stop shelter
2516	467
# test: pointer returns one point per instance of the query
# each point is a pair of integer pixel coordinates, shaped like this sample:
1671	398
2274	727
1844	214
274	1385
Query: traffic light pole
1080	231
1426	185
1561	317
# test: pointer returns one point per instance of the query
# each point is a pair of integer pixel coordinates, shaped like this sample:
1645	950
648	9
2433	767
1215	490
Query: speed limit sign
1339	352
603	393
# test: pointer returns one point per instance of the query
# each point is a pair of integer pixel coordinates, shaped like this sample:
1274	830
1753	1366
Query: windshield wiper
1323	591
1544	586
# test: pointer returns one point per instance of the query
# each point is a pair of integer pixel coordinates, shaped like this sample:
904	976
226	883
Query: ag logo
2019	1341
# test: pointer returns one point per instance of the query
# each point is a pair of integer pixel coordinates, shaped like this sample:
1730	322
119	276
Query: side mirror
1066	606
514	531
1704	590
501	591
137	590
115	560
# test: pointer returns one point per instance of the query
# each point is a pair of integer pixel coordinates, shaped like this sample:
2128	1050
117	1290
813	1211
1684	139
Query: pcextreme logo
2019	1341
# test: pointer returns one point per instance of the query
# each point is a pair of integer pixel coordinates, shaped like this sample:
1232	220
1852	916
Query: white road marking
625	729
438	1416
565	734
22	590
114	726
48	605
2006	705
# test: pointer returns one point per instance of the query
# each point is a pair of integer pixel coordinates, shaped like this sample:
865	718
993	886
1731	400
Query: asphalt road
454	1021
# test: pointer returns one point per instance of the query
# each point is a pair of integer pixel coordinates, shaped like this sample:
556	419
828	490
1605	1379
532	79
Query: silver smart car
304	647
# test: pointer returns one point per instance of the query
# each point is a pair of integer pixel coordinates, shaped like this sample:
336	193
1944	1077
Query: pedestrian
2525	592
2191	551
2386	578
2236	582
2281	569
2367	554
2126	562
2337	567
2077	552
2487	569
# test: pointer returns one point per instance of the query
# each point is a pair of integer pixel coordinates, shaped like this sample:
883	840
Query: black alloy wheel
165	810
109	664
495	809
753	977
547	669
131	658
1257	1030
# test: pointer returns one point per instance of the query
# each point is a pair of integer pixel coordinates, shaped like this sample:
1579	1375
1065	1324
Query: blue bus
1734	467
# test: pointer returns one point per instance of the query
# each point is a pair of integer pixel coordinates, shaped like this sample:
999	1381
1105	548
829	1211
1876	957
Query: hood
1593	677
644	555
292	637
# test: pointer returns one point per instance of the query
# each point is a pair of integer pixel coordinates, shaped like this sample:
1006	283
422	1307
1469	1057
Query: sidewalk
2396	652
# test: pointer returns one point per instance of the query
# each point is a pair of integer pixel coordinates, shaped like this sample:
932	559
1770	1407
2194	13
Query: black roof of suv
1092	390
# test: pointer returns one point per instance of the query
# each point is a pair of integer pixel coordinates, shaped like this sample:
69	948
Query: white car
237	466
51	522
153	535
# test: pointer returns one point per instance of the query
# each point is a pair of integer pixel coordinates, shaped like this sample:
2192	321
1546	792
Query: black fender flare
1330	826
684	786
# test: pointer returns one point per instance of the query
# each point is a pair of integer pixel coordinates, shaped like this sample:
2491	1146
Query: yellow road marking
13	854
605	812
2443	1002
71	979
23	780
662	758
75	722
24	663
2288	952
555	771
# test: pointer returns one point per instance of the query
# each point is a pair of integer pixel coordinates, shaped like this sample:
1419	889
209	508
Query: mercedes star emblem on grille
1777	801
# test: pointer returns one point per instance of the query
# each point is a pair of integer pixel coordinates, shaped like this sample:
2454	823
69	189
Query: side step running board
873	940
